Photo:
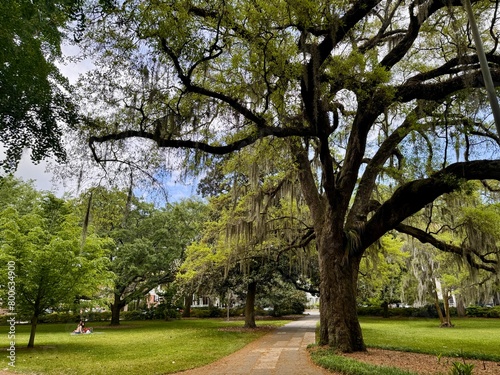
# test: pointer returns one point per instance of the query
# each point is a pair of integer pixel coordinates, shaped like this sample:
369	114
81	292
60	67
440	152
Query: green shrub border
429	312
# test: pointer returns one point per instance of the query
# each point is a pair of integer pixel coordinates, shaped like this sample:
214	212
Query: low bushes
429	311
483	312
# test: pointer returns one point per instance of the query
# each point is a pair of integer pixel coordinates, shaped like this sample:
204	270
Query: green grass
470	338
145	347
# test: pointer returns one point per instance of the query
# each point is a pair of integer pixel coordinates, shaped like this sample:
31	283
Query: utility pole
488	81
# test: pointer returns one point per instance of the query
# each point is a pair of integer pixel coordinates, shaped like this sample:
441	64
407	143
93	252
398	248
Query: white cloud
42	179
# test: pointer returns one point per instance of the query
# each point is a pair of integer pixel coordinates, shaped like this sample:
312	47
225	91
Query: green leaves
148	243
34	103
52	266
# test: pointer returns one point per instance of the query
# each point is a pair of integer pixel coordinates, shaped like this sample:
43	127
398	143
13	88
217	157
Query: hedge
429	311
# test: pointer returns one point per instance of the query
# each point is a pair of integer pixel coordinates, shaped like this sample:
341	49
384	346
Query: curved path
282	352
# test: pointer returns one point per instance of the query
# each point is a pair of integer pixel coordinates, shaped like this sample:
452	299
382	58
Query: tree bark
34	322
339	324
250	305
446	298
188	301
116	307
460	306
436	303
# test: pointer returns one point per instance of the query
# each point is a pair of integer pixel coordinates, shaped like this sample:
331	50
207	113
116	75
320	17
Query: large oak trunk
188	301
339	324
116	307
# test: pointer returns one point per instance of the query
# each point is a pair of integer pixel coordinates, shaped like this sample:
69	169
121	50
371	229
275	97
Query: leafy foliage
149	243
52	265
35	102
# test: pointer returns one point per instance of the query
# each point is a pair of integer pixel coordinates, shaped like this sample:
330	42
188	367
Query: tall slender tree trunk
436	303
116	307
446	300
34	322
339	324
250	305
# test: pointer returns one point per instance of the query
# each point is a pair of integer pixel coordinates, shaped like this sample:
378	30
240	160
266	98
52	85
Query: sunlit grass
145	347
469	338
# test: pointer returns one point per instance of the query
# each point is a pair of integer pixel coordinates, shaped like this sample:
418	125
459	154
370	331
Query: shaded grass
145	347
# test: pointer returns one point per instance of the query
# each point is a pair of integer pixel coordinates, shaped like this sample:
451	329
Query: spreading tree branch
424	237
415	195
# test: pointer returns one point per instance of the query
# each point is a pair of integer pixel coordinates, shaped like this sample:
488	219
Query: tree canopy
149	242
353	92
52	265
35	102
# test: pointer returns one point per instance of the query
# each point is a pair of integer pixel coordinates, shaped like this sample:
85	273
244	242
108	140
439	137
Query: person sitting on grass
80	328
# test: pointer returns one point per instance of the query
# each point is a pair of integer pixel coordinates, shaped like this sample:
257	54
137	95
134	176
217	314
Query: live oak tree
359	92
52	264
149	242
259	232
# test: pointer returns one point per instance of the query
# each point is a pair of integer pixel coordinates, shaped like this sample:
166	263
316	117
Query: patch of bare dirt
421	363
242	329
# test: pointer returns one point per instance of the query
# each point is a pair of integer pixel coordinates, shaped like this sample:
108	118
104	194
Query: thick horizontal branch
414	89
203	146
415	195
424	237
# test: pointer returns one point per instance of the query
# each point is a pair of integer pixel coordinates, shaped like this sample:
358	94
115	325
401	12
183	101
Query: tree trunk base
446	325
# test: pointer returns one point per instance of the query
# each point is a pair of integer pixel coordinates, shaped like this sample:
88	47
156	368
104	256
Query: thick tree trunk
250	305
116	307
339	324
188	301
460	306
34	322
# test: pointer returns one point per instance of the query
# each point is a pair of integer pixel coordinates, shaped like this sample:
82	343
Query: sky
44	180
38	172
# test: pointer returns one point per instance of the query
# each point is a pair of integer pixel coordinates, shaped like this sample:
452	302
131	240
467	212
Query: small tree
52	264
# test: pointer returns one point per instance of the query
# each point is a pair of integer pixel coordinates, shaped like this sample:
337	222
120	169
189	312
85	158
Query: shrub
59	317
483	312
134	315
428	311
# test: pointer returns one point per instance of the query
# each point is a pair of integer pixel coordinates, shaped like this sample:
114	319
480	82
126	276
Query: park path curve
281	352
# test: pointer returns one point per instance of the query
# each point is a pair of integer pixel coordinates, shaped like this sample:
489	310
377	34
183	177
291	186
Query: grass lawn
141	347
470	338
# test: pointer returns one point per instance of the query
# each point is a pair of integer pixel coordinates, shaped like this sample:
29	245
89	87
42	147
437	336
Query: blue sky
44	180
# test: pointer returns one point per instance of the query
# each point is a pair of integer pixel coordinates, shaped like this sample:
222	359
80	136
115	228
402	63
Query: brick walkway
282	352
